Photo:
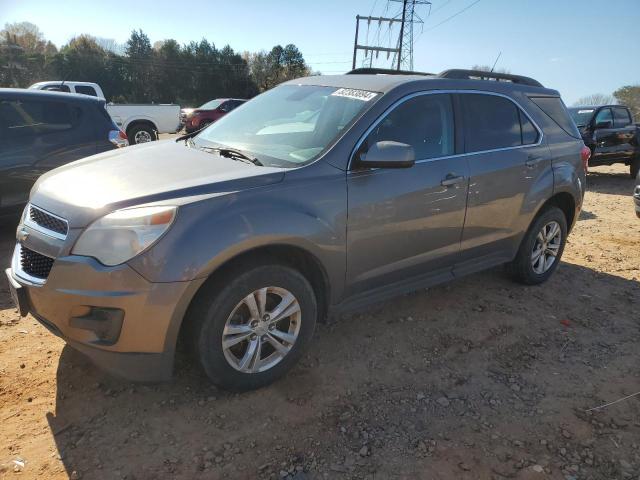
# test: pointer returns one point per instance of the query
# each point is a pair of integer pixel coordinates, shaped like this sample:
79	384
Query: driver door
405	224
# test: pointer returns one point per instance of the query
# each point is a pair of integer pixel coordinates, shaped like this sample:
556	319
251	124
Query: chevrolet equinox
320	196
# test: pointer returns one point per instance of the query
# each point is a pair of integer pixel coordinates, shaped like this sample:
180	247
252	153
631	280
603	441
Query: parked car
142	123
198	118
239	238
43	130
636	195
610	134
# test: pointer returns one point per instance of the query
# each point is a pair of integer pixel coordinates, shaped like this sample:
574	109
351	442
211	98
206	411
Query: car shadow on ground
103	425
610	183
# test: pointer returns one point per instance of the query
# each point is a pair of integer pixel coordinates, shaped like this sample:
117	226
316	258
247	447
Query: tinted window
23	118
425	122
554	108
85	90
581	116
604	115
621	117
490	122
529	132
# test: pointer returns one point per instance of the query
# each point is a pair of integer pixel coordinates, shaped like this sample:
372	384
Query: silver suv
320	196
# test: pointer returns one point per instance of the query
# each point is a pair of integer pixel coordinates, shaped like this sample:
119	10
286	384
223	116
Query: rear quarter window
554	108
86	90
22	118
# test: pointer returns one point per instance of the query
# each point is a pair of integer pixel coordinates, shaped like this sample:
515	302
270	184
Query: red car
198	118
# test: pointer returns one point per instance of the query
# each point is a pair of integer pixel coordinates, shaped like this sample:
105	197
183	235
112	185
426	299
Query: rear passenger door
508	164
406	223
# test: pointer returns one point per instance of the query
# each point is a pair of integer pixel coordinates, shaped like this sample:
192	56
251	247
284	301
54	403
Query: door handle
451	179
532	161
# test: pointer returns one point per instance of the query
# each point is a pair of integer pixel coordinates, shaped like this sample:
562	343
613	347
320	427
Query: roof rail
481	75
383	71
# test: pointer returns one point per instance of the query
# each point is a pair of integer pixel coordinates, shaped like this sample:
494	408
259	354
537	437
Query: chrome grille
47	221
34	263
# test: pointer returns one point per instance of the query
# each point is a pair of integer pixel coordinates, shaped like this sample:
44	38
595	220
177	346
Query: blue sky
579	47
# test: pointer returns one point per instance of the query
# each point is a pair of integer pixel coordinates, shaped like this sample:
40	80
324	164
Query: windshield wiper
235	155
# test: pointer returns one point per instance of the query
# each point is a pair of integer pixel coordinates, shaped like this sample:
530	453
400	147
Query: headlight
123	234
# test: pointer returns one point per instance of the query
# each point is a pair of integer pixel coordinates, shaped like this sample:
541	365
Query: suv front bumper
125	324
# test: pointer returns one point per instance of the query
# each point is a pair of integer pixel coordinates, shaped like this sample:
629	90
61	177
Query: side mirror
387	154
604	125
223	108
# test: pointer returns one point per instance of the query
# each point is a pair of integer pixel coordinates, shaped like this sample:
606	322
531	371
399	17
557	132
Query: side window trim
456	120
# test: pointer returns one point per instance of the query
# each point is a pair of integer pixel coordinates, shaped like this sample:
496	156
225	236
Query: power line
441	7
452	16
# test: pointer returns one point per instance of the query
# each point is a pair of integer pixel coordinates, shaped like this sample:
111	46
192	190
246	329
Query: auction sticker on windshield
354	93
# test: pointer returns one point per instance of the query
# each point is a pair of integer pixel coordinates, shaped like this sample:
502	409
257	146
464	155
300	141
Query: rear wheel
141	134
541	248
255	328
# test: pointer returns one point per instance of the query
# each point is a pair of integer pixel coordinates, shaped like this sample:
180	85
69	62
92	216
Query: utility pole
370	49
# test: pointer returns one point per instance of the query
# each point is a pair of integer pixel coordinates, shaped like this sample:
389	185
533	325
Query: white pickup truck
142	123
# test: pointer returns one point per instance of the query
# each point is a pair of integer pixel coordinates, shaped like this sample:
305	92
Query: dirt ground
477	379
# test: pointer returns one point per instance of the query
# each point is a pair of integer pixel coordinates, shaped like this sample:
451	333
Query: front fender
309	215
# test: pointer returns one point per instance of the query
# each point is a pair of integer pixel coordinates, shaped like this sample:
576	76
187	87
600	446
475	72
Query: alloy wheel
261	330
546	247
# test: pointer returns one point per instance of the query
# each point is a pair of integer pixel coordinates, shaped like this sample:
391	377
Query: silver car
320	196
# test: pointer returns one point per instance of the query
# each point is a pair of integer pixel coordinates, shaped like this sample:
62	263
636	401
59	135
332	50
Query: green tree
630	96
25	56
139	61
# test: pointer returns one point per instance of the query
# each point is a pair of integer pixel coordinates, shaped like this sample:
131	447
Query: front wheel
254	329
634	168
541	248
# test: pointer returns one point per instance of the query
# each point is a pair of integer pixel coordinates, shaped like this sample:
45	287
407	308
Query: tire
523	268
217	302
141	134
634	168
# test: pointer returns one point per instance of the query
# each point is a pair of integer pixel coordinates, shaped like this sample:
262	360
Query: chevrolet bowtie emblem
22	235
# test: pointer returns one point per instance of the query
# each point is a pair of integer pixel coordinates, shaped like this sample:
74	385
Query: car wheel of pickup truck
141	134
251	330
634	168
541	248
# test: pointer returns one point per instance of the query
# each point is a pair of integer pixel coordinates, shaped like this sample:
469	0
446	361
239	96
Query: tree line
139	72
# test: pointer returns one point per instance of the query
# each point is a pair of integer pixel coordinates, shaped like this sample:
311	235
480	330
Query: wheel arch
296	257
129	124
565	202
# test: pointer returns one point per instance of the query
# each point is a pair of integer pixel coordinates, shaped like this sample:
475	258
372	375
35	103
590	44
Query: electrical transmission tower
402	49
405	39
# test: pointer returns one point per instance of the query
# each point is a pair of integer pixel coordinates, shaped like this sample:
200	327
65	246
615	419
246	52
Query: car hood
155	172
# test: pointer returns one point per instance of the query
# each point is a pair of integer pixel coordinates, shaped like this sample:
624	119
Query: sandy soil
480	378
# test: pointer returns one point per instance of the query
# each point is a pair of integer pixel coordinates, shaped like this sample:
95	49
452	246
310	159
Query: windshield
210	105
287	126
581	116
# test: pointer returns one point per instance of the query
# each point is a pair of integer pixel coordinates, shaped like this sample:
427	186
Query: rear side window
86	90
425	122
554	108
57	88
621	117
490	122
31	117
